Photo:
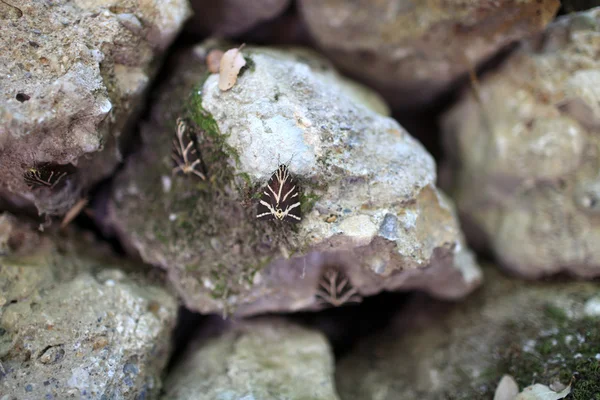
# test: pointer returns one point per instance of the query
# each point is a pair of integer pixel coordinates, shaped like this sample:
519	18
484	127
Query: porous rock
524	158
537	333
77	326
72	75
267	358
371	211
229	18
411	51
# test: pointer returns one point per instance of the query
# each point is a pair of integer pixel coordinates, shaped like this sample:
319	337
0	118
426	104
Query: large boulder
72	76
412	51
267	359
538	333
371	214
524	153
76	323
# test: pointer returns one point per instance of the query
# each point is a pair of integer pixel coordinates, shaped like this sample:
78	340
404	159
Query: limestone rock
265	359
439	350
370	207
72	75
229	18
77	326
525	159
411	51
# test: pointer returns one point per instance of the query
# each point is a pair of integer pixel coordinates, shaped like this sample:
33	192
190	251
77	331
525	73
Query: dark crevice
22	97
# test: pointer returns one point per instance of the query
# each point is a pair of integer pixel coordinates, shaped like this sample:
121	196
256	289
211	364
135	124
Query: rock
411	51
265	359
77	326
72	76
371	211
230	18
524	160
439	350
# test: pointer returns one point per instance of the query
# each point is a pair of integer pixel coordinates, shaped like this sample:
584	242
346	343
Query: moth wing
262	211
291	205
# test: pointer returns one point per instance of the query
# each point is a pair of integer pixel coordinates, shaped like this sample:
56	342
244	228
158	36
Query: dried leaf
73	212
507	389
231	63
542	392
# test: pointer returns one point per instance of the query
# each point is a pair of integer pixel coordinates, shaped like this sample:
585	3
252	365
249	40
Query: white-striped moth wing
280	199
186	155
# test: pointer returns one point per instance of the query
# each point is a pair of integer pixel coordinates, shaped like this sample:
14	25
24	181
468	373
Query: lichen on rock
72	76
354	167
78	322
537	333
412	51
265	358
524	157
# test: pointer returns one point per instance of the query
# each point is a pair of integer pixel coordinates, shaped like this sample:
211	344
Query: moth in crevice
336	289
46	175
280	199
186	155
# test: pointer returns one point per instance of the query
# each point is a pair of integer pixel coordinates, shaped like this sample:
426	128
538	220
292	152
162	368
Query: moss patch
250	65
308	201
565	350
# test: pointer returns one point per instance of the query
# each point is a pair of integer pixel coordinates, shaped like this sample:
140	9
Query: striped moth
186	156
280	199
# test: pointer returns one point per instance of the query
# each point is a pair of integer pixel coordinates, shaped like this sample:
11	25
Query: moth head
279	213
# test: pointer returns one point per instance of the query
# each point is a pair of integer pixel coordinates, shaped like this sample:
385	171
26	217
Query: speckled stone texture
525	159
411	51
266	359
538	333
77	326
370	207
72	75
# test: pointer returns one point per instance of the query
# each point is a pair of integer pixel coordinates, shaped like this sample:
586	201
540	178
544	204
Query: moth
186	156
45	175
336	289
280	199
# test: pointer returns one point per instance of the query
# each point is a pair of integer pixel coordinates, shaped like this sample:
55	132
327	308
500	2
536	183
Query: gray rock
229	18
411	51
353	165
72	75
434	350
264	359
524	160
77	326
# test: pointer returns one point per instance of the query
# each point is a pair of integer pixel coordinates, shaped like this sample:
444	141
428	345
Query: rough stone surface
370	206
525	159
538	333
72	73
229	18
74	326
411	51
267	359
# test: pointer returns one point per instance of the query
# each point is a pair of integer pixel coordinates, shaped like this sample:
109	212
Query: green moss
250	65
307	202
565	350
556	314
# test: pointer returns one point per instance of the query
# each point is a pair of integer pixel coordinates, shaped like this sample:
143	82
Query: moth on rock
280	199
46	175
186	155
